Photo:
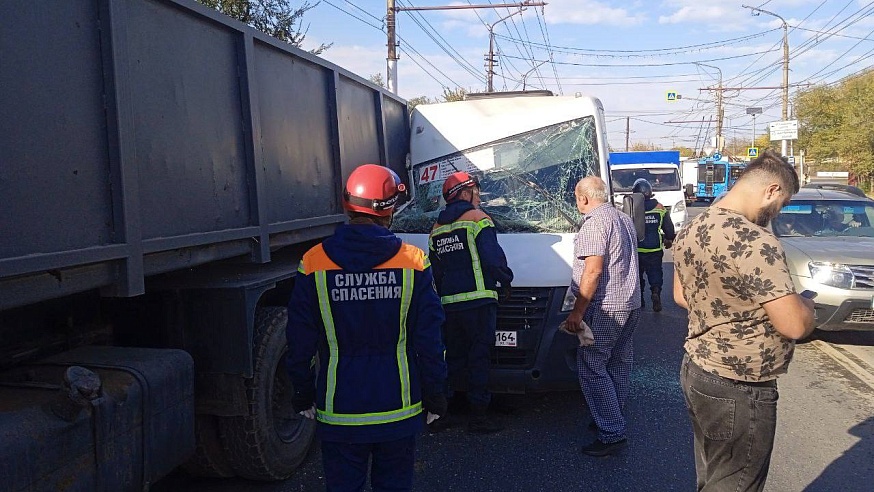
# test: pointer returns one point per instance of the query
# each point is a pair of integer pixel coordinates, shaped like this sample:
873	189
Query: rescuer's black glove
435	404
506	291
302	401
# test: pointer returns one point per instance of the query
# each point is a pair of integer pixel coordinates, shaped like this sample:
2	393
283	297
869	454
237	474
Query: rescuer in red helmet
469	268
365	302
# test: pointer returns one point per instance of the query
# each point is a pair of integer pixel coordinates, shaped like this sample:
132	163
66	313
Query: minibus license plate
505	339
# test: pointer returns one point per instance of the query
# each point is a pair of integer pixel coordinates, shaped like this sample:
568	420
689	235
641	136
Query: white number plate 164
505	339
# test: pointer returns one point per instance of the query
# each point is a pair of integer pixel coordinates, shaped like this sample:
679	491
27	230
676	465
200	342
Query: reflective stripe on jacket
455	245
652	238
387	354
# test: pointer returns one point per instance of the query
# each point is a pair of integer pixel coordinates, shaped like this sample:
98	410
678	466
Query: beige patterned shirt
729	267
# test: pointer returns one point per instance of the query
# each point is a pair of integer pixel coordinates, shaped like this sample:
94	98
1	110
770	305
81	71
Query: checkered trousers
604	368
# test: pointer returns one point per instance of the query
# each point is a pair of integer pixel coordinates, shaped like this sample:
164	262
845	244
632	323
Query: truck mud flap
96	419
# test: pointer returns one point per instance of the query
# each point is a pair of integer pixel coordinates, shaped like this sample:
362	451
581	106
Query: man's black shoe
598	448
593	426
656	302
656	299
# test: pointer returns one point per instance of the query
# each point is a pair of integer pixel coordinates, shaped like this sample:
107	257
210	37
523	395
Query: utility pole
757	11
720	139
627	131
392	58
490	57
391	27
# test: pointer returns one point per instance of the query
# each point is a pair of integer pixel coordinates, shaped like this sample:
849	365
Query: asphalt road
825	437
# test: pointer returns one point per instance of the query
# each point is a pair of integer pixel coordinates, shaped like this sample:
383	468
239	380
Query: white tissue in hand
585	334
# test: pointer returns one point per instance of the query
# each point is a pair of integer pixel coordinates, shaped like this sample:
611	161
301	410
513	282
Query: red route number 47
429	173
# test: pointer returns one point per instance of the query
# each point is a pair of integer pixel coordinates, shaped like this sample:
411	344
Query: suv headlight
679	206
569	300
833	274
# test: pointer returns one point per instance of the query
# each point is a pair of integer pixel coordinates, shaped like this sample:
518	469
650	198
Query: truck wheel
209	458
271	440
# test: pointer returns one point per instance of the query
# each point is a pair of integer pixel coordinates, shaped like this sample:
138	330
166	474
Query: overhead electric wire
350	14
544	30
683	49
409	48
665	64
848	21
448	49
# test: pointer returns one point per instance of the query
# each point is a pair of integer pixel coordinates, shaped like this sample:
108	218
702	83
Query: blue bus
715	177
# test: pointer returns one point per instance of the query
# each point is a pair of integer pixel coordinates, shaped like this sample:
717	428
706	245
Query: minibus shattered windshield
527	181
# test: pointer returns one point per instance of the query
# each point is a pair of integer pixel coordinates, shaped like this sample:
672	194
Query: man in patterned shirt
607	285
744	317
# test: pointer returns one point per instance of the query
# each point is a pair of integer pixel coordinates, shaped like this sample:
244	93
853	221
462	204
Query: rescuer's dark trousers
391	465
469	336
651	267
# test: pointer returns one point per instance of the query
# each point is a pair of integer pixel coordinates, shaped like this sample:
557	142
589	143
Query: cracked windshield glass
527	181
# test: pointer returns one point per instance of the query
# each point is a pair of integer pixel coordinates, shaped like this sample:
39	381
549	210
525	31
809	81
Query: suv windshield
661	179
826	218
527	181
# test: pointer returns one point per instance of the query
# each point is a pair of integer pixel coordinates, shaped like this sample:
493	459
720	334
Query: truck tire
209	458
271	440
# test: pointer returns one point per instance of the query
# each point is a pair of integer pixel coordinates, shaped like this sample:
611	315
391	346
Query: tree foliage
450	95
377	79
836	125
644	147
278	18
412	103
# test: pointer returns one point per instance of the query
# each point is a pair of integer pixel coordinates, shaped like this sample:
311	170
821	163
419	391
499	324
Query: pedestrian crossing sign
672	95
752	152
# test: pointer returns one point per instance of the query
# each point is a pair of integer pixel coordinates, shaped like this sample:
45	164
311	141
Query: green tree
836	126
450	95
685	151
412	103
278	18
643	147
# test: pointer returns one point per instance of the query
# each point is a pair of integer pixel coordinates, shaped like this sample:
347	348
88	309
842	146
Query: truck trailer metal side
164	167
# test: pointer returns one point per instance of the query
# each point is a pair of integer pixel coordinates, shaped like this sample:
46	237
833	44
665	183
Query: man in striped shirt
606	283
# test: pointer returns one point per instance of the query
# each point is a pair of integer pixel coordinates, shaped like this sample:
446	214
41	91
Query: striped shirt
609	233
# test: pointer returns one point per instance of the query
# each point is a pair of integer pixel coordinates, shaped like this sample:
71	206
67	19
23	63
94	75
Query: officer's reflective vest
652	238
455	243
407	403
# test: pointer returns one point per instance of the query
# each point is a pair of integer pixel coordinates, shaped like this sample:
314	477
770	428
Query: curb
863	373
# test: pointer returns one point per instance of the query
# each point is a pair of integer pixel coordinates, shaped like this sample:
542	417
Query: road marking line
860	372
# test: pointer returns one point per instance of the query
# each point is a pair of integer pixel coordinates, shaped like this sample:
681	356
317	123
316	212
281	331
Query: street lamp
754	112
757	11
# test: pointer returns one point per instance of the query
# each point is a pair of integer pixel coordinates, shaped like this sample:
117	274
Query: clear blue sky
629	53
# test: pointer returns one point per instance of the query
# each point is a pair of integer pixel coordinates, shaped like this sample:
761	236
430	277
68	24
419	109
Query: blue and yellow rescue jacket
657	228
468	262
366	302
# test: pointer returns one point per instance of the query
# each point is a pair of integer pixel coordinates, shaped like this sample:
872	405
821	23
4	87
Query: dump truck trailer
163	169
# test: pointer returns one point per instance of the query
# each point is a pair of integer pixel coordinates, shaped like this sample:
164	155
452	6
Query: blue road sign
752	152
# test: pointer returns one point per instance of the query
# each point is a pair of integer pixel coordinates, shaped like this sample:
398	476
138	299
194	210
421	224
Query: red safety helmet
373	190
457	182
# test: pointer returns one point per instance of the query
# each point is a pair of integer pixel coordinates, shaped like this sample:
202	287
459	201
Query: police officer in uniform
650	250
365	302
469	269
